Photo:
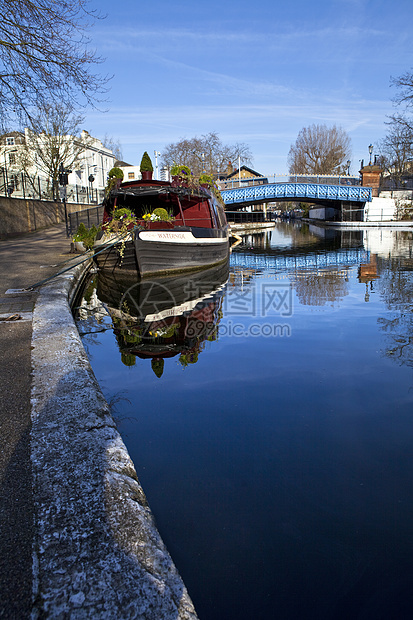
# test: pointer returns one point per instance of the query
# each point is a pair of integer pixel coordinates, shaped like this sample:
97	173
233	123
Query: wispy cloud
255	77
125	36
186	120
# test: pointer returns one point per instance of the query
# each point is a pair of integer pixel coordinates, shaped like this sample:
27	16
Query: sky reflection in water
276	451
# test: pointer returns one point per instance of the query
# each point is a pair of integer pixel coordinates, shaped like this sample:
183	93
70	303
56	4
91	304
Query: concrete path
23	261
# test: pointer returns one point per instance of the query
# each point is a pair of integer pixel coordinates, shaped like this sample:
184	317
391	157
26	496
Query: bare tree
396	149
113	145
404	84
319	149
205	153
404	101
53	140
44	56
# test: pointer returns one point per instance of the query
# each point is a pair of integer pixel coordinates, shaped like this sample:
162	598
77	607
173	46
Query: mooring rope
88	257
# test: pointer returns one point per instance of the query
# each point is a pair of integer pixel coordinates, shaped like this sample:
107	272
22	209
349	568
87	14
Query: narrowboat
157	227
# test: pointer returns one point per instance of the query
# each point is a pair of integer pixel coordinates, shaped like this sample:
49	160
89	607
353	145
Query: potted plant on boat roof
146	167
206	180
160	215
115	177
181	175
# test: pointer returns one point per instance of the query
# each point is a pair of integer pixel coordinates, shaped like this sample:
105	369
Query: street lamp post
91	179
63	179
91	171
370	153
348	167
157	154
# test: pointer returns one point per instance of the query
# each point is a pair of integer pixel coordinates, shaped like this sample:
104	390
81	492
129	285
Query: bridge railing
392	184
320	179
245	217
295	191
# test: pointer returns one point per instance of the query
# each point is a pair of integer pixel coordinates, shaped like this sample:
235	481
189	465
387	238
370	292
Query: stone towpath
24	261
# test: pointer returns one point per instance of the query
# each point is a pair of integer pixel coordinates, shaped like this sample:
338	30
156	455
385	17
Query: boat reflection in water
164	317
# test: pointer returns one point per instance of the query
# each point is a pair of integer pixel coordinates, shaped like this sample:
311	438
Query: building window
10	141
131	175
12	158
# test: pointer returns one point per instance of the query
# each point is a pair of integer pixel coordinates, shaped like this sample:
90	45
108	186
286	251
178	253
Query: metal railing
244	217
290	178
88	217
295	192
386	183
396	184
21	185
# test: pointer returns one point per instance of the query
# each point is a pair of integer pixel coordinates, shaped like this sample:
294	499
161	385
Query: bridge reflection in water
309	261
318	276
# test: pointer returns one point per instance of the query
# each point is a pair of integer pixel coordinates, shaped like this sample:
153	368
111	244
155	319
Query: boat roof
156	190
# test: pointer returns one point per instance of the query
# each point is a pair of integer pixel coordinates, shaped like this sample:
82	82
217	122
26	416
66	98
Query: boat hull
114	257
157	252
165	252
162	228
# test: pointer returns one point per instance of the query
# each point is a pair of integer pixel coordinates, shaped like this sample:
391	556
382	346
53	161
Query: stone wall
400	194
380	209
323	213
19	216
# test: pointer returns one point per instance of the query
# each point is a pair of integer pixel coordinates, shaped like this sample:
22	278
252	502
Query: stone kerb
97	552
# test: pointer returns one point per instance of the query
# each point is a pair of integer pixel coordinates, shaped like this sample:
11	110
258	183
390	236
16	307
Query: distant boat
177	228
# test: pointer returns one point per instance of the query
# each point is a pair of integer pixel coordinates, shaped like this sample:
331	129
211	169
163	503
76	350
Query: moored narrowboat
158	227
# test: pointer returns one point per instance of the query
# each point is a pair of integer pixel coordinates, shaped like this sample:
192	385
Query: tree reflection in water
396	289
322	287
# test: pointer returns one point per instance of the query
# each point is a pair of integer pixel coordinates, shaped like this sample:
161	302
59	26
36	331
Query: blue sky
252	72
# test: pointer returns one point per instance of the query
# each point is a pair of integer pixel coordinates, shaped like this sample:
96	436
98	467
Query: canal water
268	409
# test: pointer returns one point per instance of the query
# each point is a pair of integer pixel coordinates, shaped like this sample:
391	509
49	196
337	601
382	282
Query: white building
133	173
130	173
89	160
96	160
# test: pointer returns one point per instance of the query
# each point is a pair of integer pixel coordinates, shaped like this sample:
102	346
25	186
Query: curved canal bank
397	225
97	552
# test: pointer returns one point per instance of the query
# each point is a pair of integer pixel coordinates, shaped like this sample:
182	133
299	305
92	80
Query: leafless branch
319	149
45	56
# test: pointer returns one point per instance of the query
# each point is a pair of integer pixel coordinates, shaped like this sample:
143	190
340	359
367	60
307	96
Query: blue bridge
314	192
